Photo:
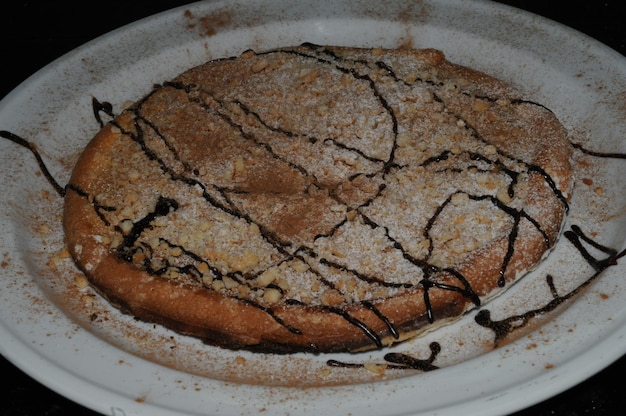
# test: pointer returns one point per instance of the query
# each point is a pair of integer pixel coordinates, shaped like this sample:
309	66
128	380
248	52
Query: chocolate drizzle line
163	207
392	329
575	236
100	209
612	155
399	361
31	146
105	107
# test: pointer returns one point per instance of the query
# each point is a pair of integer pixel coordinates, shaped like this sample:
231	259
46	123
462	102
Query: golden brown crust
317	199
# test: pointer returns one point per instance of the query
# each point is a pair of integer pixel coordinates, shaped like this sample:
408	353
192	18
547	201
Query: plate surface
73	342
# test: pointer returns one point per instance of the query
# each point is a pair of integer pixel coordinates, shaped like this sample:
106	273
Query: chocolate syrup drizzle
398	361
33	149
164	206
577	237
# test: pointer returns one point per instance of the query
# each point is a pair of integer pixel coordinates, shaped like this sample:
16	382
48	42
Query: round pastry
318	199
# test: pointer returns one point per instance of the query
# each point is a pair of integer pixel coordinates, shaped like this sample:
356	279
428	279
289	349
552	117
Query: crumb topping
325	177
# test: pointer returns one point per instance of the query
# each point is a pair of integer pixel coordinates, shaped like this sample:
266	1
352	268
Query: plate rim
9	353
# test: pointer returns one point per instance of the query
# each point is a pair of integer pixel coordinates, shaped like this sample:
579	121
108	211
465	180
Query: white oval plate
70	340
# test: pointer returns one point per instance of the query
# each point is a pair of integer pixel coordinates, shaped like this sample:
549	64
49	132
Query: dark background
33	33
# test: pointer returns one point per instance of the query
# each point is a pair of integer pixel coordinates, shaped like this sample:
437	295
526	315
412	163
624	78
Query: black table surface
33	33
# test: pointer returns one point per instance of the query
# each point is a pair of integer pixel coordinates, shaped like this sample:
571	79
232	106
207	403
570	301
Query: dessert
318	199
